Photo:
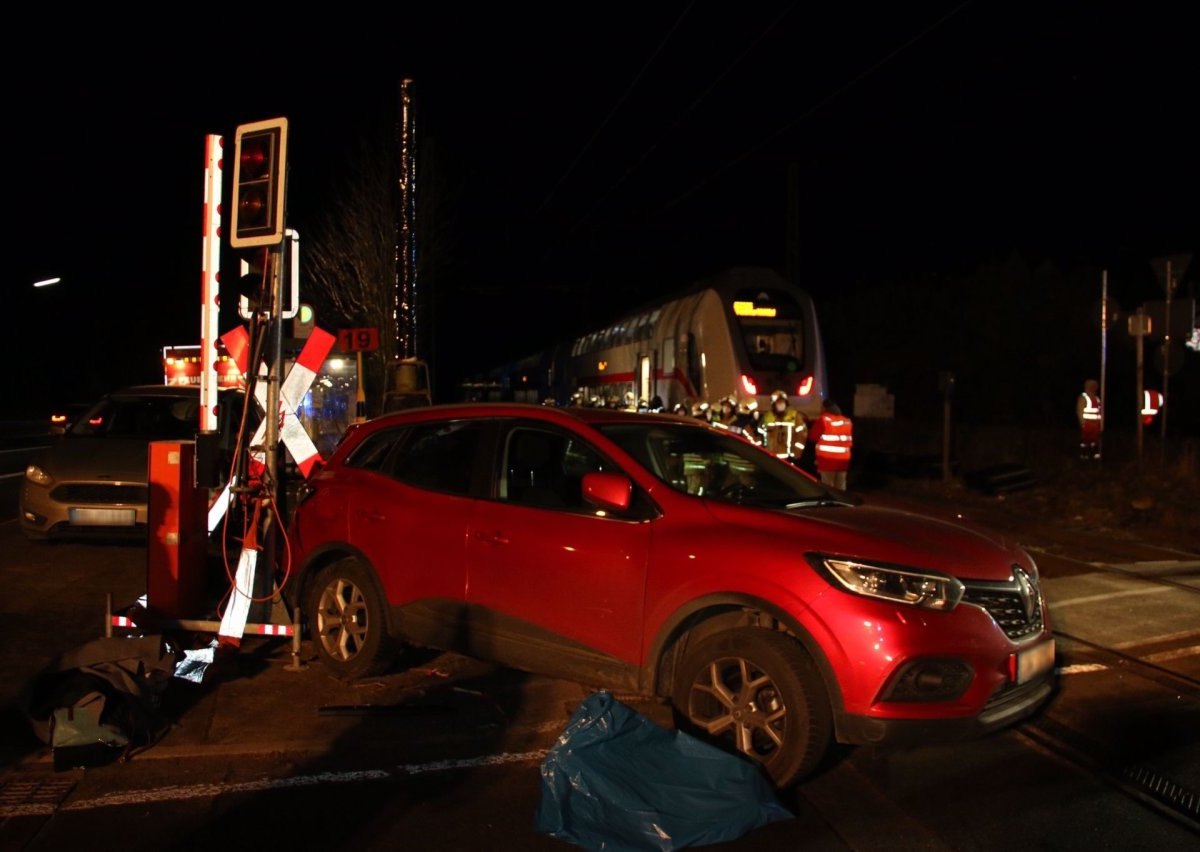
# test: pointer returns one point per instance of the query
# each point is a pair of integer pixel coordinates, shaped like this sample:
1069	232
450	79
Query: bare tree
350	258
352	249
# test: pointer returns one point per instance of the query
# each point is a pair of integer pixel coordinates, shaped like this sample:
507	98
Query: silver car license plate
103	517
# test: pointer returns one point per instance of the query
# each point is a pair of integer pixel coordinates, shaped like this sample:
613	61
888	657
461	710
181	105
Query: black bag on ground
101	700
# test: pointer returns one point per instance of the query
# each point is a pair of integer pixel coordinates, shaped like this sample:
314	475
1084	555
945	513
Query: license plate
1035	662
103	517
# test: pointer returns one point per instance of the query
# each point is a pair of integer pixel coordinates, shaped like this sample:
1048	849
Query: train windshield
771	323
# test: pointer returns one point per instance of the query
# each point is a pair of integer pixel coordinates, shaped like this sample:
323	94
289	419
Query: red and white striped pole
210	278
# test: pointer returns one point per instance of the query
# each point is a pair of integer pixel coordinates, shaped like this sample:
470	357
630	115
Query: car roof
525	409
160	390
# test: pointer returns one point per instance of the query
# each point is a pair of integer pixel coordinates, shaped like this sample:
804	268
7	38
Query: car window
372	453
150	417
545	468
710	463
436	456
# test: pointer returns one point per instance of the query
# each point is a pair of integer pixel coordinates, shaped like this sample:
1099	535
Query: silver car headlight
35	474
892	583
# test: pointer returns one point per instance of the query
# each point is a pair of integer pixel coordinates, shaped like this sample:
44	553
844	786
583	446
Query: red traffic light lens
255	158
252	207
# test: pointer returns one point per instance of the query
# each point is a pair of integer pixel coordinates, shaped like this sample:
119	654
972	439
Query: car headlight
892	583
35	474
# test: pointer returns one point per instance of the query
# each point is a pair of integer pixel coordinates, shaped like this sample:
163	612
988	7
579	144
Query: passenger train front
745	333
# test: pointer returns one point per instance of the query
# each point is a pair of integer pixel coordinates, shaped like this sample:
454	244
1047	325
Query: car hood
87	459
887	534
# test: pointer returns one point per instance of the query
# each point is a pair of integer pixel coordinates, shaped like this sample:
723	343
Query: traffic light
259	178
304	321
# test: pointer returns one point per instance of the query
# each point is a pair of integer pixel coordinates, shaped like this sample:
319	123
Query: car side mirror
609	491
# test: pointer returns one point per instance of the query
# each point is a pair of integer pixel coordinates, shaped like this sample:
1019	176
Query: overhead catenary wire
612	112
810	111
751	46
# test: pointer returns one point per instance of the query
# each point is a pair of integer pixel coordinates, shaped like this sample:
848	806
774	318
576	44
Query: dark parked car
652	553
93	480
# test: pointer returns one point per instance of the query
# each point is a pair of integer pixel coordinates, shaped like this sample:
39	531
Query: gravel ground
1149	502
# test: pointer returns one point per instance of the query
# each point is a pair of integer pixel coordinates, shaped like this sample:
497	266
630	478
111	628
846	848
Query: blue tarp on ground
617	781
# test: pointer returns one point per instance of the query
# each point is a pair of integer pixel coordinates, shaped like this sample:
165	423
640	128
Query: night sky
589	160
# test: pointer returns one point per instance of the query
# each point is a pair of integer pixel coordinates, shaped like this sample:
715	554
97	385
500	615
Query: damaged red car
657	555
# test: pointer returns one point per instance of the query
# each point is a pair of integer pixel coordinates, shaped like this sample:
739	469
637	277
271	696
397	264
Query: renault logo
1027	591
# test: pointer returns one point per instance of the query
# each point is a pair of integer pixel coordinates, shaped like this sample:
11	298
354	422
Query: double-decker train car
744	332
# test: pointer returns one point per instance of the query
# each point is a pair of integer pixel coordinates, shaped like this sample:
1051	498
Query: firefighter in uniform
785	429
727	415
1087	412
833	433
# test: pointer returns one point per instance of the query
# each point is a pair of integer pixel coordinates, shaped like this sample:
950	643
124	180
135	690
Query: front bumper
1007	706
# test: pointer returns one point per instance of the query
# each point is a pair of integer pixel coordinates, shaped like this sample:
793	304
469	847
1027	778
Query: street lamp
46	282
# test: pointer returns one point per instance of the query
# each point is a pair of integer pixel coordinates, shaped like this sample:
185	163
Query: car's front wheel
346	620
759	693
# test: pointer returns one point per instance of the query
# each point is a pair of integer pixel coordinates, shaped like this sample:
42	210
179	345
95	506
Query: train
745	332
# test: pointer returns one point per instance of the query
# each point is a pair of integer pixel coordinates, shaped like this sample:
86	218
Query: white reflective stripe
233	622
837	450
217	511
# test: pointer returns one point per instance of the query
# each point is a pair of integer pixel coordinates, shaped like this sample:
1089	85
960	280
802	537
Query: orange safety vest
837	436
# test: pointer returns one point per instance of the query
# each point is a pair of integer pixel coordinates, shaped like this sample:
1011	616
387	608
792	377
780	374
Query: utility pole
1166	372
404	310
1103	355
1137	327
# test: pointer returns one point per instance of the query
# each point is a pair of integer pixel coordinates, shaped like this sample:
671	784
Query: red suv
655	554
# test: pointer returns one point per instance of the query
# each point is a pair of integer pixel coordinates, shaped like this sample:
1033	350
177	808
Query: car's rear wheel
758	693
346	620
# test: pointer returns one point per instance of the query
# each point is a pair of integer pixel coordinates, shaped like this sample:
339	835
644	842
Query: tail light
805	387
749	387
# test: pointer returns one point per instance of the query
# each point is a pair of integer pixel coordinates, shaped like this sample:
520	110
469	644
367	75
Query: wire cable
679	120
612	112
868	71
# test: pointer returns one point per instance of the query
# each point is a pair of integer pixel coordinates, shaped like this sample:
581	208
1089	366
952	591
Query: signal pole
1103	355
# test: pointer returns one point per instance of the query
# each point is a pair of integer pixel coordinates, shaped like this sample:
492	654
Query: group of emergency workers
821	445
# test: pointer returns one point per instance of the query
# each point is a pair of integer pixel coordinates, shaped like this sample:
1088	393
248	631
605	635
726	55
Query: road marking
1154	640
1083	668
25	449
1151	565
208	791
1160	657
1157	590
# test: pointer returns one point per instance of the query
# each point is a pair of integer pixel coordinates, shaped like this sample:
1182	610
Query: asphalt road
444	753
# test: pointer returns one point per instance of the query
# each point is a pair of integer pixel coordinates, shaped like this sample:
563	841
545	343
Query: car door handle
374	517
490	537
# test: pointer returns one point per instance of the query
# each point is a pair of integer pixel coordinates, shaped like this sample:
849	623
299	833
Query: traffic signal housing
259	182
304	321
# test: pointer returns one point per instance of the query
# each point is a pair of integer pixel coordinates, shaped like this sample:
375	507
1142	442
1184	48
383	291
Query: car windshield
714	464
152	417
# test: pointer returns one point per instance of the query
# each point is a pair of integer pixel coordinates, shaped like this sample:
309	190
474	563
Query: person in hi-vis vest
1087	411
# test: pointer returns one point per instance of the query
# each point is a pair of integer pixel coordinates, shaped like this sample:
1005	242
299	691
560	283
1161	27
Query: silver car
93	480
